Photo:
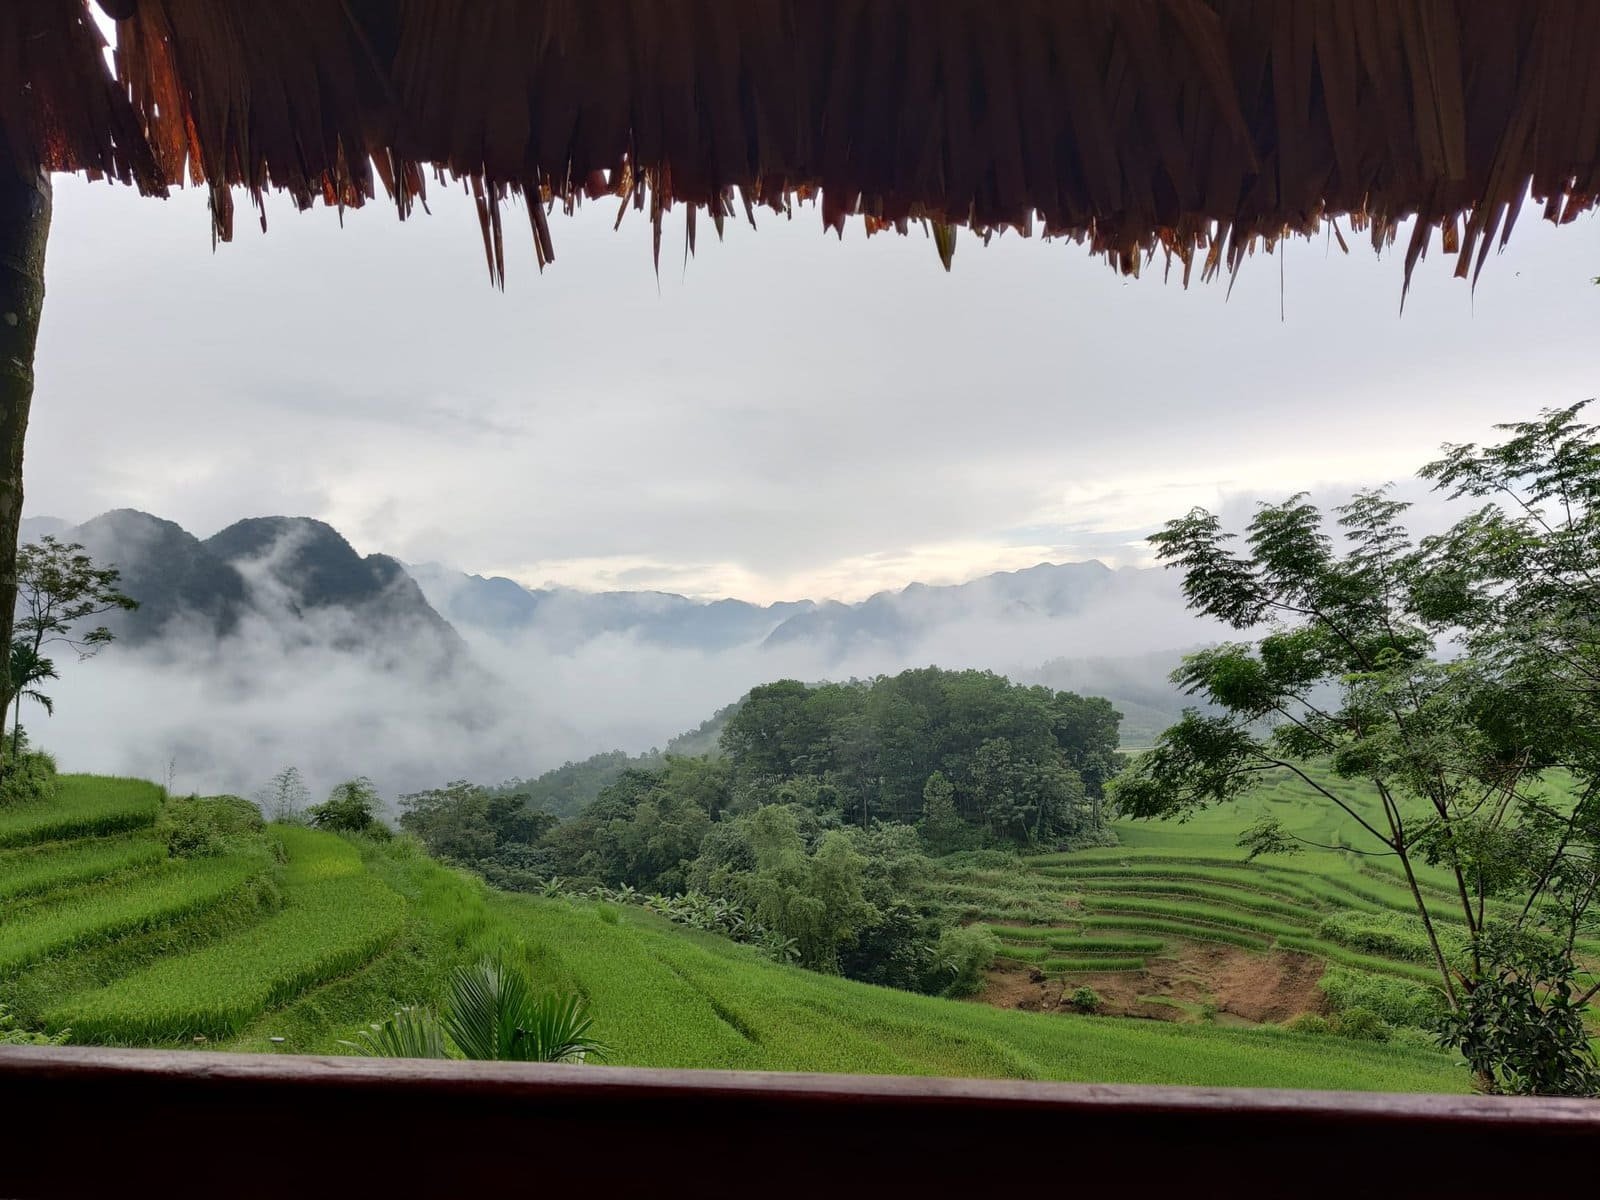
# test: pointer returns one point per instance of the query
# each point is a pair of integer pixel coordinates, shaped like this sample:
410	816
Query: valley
311	948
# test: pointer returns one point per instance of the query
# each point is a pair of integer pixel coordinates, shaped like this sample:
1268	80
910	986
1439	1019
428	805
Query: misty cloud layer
224	715
787	417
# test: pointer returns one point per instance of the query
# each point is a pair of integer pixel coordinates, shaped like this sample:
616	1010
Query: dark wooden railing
166	1123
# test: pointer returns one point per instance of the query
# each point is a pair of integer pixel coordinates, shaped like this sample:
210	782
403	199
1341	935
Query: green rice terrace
124	922
1175	924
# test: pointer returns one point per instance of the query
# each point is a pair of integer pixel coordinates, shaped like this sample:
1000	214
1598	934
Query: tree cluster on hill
1023	765
816	821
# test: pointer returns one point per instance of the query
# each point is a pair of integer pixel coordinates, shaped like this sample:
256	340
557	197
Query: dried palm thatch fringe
1191	128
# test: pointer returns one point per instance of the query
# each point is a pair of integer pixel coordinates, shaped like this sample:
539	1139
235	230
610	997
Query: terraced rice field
335	918
262	952
1176	901
105	935
88	806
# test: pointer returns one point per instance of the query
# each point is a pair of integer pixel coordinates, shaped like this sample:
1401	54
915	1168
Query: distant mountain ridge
1048	590
279	643
896	620
302	571
503	608
288	571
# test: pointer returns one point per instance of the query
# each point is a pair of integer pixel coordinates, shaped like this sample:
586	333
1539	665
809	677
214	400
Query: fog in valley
869	423
308	688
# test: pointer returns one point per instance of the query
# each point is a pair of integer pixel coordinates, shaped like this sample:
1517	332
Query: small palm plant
491	1012
413	1032
28	668
494	1014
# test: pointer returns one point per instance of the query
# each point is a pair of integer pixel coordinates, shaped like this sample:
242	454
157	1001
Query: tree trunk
24	226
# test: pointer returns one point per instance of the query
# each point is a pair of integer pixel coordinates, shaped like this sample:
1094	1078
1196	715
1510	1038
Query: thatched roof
1191	127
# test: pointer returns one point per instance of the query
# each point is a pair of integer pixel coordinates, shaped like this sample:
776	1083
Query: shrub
352	807
1396	1001
1398	935
982	860
1521	1029
12	1034
205	826
1085	1000
962	955
1361	1024
490	1013
30	777
1309	1023
1090	839
412	1032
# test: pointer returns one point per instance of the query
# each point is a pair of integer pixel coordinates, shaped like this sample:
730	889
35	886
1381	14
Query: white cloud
790	416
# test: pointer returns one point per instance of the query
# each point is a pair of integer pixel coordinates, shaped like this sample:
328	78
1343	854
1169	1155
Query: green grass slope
671	998
242	950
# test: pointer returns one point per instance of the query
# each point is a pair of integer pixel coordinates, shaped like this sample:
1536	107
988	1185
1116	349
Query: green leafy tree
59	589
452	821
1027	764
1089	731
474	825
352	807
772	734
640	831
1345	673
816	898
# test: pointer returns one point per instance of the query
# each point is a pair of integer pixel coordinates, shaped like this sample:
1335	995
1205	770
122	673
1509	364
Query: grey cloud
786	405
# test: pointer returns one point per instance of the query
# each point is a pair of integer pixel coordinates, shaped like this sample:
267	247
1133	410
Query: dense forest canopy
813	825
1025	764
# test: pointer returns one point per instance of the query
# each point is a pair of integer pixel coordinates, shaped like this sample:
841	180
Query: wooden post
24	227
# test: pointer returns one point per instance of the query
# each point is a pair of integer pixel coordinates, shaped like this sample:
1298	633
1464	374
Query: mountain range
889	620
297	574
275	641
302	579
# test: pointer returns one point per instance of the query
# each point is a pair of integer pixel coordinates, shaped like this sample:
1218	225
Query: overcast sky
790	416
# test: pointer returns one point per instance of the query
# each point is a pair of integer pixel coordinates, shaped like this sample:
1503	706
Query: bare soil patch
1247	985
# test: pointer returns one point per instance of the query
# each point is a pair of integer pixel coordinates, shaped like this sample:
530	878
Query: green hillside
1134	917
107	939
